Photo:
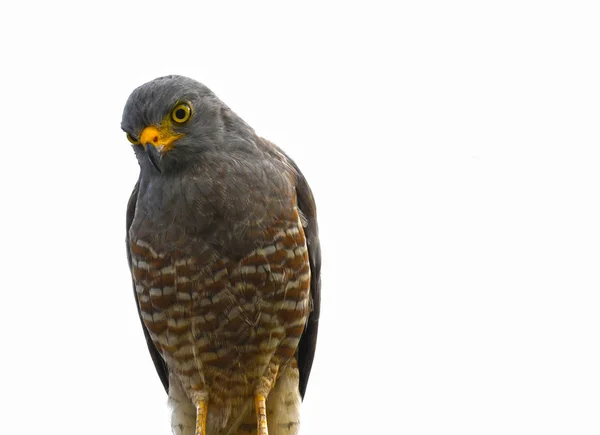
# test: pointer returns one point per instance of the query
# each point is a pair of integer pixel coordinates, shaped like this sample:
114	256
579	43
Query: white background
453	149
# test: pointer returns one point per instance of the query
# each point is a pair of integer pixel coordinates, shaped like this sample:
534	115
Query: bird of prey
223	247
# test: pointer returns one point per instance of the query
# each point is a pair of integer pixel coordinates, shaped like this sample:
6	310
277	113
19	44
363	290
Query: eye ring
133	140
181	113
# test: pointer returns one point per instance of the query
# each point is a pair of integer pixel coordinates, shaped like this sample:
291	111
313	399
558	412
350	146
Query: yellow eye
133	140
181	113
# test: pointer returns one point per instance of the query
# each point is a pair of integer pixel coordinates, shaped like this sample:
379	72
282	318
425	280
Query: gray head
172	120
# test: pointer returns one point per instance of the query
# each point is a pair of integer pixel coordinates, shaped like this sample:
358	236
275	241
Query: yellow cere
161	137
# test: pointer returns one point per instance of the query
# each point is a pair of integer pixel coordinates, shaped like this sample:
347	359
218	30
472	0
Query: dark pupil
180	114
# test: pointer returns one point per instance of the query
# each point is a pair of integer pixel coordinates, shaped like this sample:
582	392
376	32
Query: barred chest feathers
222	310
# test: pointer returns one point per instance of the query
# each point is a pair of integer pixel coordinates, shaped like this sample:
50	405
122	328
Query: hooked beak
154	155
157	141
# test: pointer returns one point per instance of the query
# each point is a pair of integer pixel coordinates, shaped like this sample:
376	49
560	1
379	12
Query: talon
201	413
261	414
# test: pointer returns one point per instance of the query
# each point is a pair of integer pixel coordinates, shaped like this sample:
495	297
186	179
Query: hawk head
173	120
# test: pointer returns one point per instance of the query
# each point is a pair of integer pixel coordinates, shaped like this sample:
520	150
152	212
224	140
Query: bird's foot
266	384
201	413
260	403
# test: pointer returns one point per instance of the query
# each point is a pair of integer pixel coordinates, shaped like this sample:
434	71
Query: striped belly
222	325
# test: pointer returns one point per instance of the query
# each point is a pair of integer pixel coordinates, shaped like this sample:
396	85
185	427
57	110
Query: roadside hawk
224	253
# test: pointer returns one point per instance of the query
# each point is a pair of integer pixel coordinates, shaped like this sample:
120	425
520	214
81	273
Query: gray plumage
216	197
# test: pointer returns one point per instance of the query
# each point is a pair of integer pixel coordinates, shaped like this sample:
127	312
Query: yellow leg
201	413
261	414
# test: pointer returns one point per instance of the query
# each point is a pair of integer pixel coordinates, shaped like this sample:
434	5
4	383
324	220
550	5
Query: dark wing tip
308	340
